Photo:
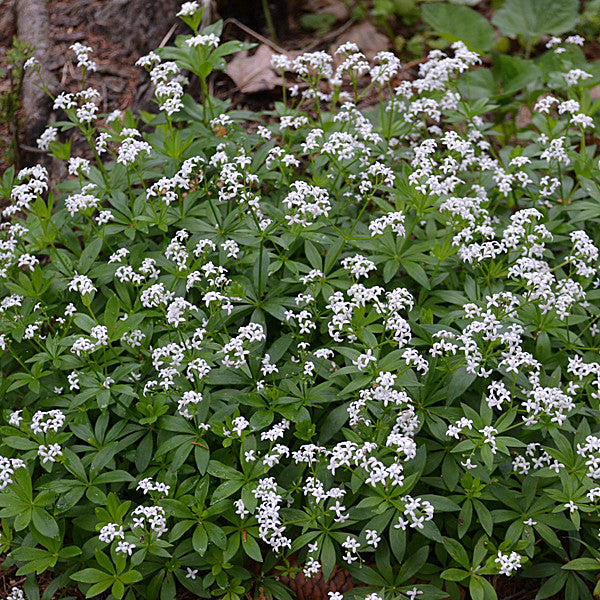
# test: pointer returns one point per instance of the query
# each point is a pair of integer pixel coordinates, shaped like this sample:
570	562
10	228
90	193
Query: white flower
187	10
79	166
358	265
204	40
49	453
15	418
82	284
111	531
575	75
508	563
125	548
412	594
373	537
16	593
42	422
239	424
311	568
240	509
362	362
49	135
147	486
31	63
81	53
130	149
571	506
7	469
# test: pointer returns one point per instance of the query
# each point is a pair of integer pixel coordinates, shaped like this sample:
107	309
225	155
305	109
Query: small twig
63	77
24	146
413	63
32	149
104	97
111	70
330	36
255	34
168	36
74	36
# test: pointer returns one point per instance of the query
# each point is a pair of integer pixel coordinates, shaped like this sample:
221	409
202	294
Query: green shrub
247	345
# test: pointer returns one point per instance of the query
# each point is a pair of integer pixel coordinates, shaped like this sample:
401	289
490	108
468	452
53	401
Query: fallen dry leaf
366	37
595	92
253	73
337	8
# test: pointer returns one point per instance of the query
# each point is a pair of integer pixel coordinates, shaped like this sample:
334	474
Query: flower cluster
319	335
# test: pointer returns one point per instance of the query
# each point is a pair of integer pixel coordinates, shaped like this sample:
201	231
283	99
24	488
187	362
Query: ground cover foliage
237	345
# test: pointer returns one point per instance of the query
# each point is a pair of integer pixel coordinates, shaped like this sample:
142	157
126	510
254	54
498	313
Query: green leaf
534	18
314	258
44	523
226	489
144	452
19	443
416	272
26	553
460	23
456	550
104	561
398	542
454	574
333	254
215	534
85	322
459	383
69	552
111	313
583	564
89	254
515	73
450	472
441	503
413	564
485	517
22	485
222	471
252	549
367	575
333	422
118	589
390	269
464	518
100	587
328	558
552	586
476	588
130	577
91	575
200	539
113	477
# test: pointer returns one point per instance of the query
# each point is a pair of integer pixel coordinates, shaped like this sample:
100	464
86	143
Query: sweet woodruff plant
240	345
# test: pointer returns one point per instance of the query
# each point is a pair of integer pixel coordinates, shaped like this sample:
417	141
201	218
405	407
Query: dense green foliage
237	345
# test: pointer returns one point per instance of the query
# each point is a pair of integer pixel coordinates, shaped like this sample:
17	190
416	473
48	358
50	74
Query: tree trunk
139	25
32	27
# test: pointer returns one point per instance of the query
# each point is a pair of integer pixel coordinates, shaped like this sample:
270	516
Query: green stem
269	20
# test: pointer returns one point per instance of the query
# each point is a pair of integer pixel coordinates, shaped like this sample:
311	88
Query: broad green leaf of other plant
460	23
533	18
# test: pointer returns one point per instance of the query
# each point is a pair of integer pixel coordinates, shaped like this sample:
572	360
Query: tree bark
139	25
32	27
